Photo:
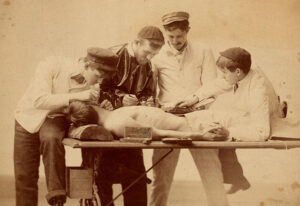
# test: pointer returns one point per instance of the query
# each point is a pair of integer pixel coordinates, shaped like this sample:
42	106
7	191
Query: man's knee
53	131
51	138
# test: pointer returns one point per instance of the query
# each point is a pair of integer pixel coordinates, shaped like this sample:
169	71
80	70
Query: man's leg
122	166
51	134
106	172
132	169
105	191
26	165
232	170
209	168
163	174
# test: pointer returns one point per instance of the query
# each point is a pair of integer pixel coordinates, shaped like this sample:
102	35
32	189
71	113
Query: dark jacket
132	78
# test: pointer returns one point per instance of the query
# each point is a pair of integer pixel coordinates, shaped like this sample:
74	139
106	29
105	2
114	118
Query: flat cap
174	16
104	59
238	55
153	34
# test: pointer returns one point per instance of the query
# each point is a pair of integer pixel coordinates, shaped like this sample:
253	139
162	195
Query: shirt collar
78	68
129	48
246	79
76	75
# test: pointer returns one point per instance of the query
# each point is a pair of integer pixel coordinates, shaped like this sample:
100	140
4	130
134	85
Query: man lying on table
163	124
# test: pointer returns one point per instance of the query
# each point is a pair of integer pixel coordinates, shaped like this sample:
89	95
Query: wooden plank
275	144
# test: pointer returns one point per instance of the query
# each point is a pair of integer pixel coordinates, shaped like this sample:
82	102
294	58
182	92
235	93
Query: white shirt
180	74
246	112
48	90
255	102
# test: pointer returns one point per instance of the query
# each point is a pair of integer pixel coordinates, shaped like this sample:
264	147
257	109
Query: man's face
177	38
144	51
231	77
93	76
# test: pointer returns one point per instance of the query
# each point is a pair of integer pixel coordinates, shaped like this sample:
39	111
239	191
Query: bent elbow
38	104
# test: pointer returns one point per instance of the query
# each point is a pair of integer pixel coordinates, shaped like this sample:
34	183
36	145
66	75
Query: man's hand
188	101
149	102
91	94
216	134
105	104
130	100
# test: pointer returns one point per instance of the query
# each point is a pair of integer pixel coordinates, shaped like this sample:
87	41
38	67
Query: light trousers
208	166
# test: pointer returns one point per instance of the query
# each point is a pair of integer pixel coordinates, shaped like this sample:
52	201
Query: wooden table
275	144
75	143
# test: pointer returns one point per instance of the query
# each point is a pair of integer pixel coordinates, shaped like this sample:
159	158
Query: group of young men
148	71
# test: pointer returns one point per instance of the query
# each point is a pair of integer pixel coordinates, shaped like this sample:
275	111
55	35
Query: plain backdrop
31	30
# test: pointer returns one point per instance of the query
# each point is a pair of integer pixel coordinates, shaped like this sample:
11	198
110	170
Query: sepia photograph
150	103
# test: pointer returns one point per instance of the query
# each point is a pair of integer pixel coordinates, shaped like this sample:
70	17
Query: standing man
134	77
182	67
132	85
39	131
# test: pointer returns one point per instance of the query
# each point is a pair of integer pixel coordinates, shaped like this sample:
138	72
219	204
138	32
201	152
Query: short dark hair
80	113
182	25
224	62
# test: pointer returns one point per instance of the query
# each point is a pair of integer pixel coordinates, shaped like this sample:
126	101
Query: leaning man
39	131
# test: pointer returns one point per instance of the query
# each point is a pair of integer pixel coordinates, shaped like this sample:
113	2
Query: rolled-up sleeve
43	96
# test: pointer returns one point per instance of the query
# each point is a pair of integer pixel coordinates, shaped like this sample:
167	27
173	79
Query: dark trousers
120	166
27	150
231	168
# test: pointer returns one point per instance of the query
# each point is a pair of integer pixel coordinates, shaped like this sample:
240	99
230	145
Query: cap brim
171	20
105	67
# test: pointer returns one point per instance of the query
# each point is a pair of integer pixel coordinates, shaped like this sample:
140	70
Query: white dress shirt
254	103
48	90
245	112
180	74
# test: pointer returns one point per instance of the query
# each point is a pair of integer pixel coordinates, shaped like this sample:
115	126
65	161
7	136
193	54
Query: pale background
31	30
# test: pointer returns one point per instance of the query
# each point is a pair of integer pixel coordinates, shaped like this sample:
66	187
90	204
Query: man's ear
66	110
137	42
238	72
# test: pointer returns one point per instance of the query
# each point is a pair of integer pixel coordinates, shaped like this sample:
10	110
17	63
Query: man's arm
212	79
42	86
211	85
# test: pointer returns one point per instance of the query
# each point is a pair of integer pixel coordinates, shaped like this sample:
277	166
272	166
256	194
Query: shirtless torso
162	124
149	116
